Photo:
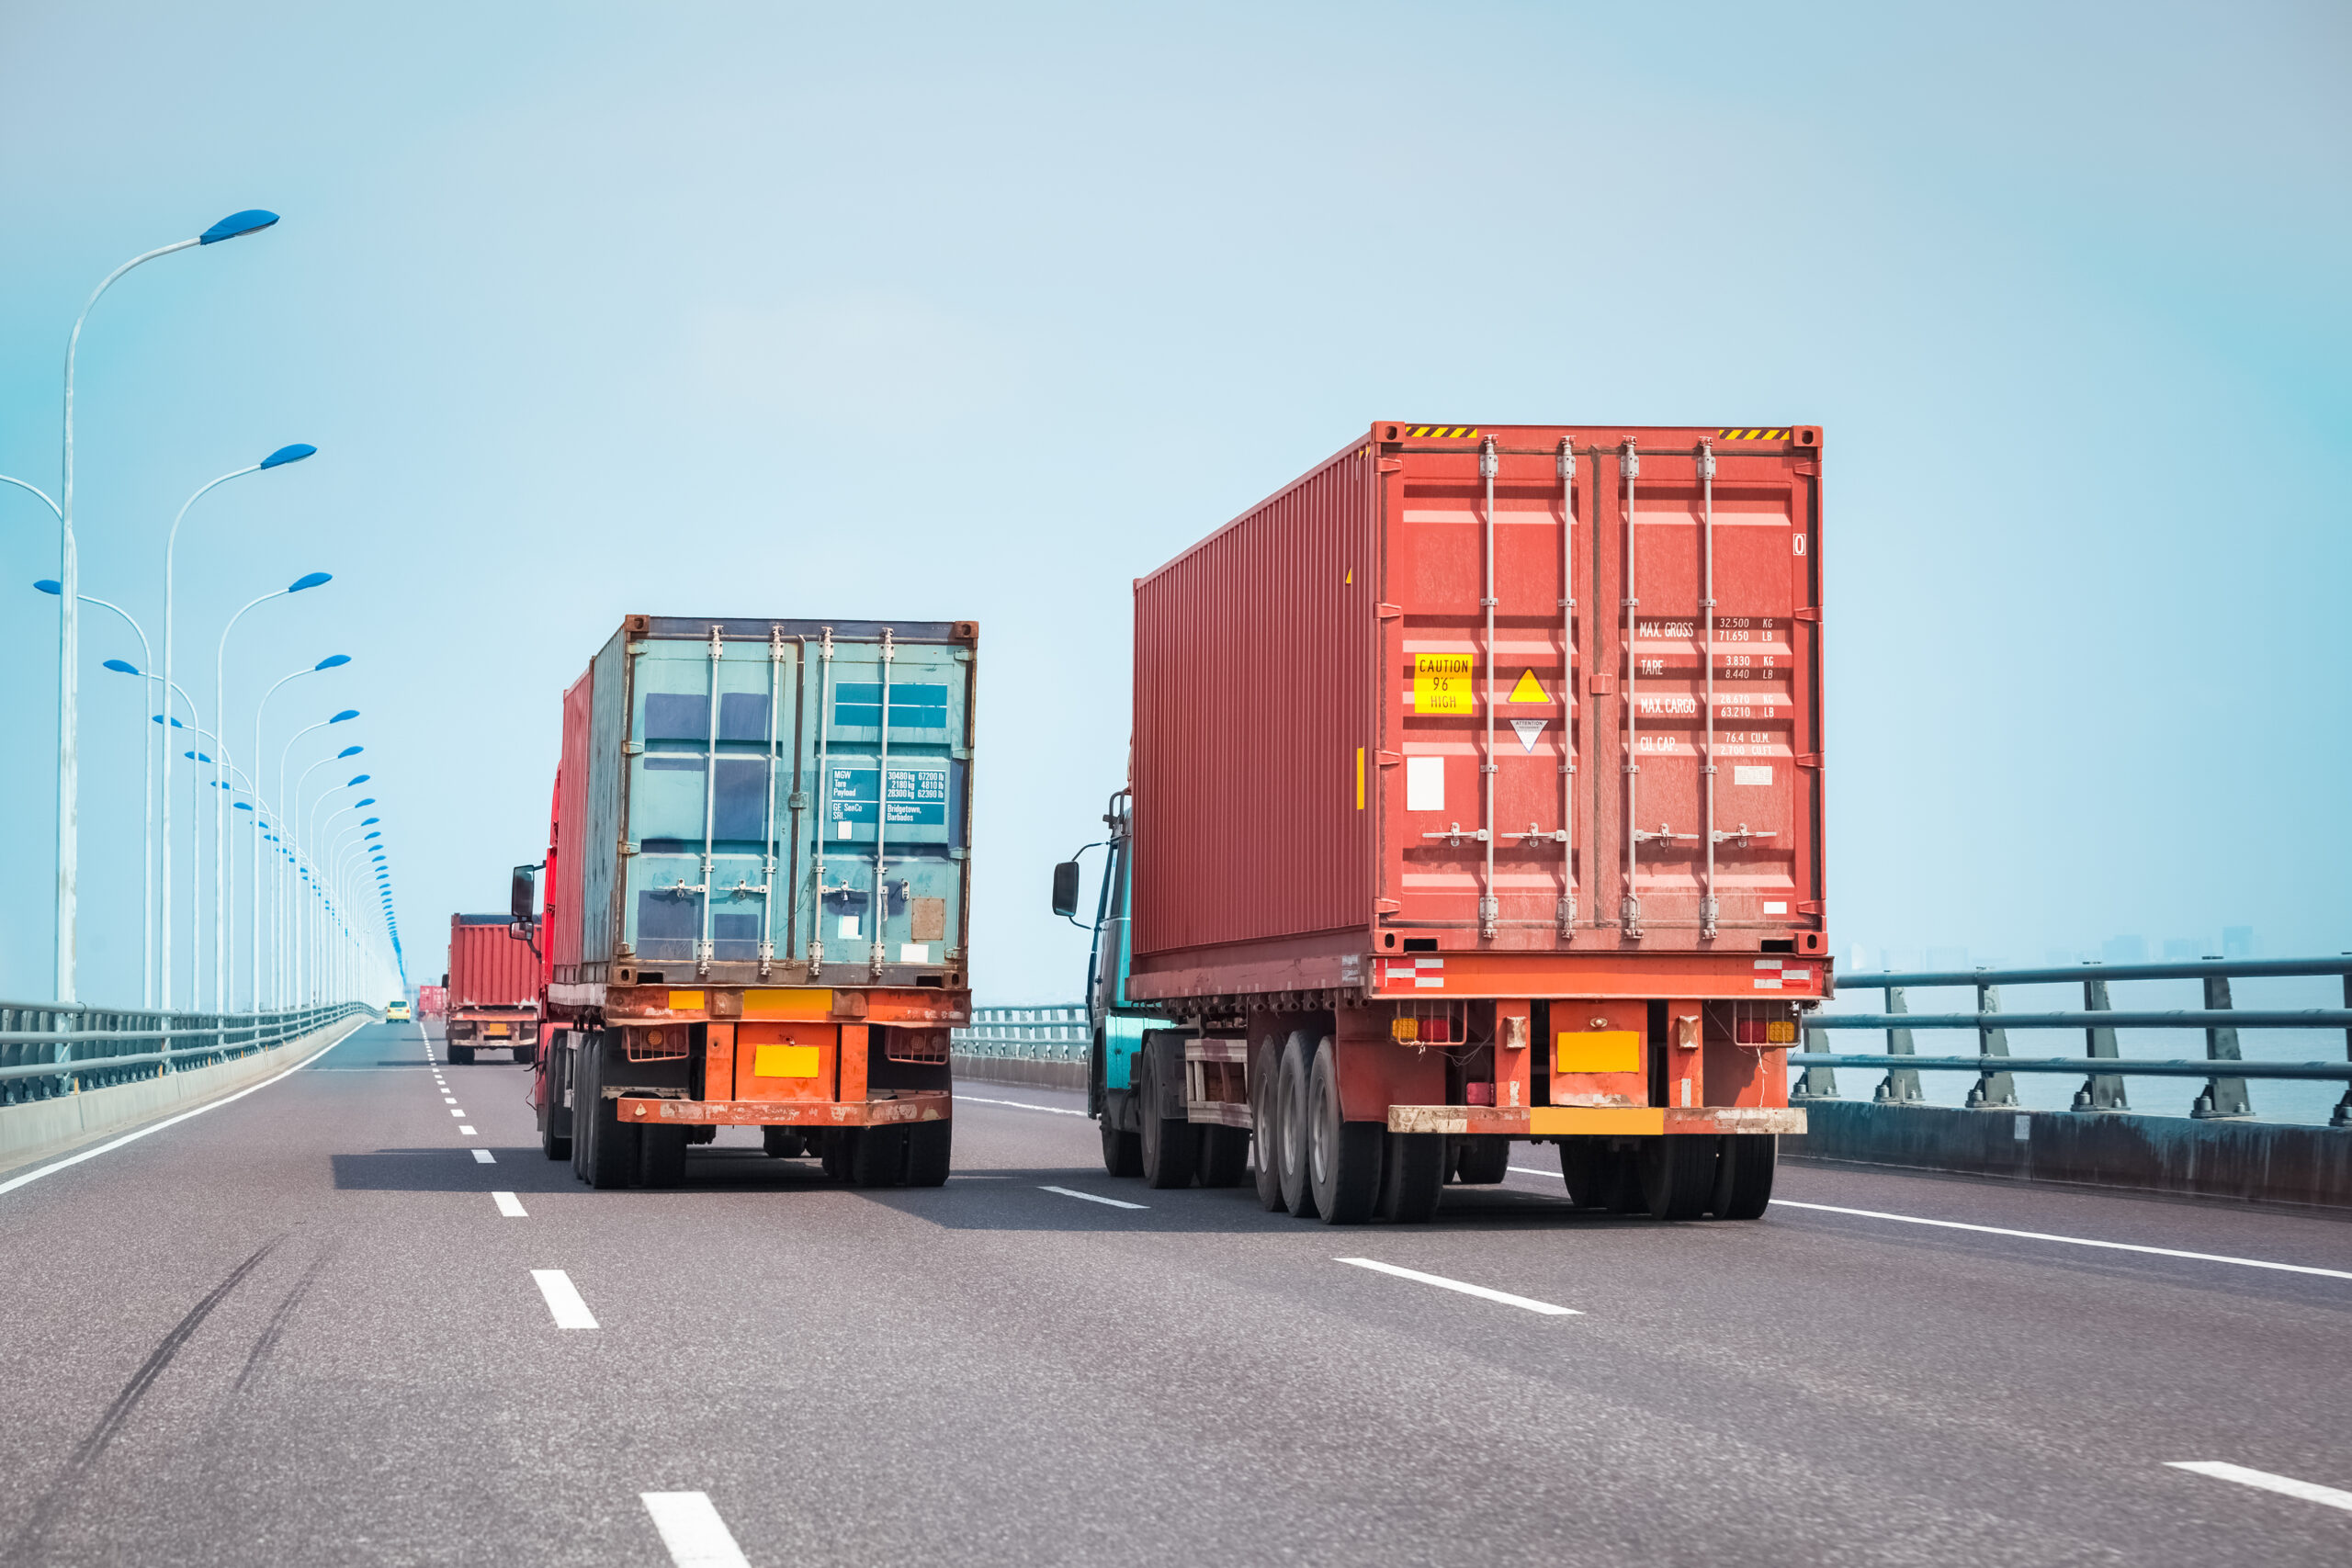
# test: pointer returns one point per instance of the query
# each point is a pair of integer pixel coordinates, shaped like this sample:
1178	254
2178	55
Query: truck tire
880	1158
1744	1175
1412	1177
782	1142
553	1113
661	1155
461	1056
611	1145
523	1055
1291	1114
833	1148
929	1146
1481	1160
1265	1123
1165	1145
1224	1156
1342	1157
1122	1151
1677	1176
1582	1160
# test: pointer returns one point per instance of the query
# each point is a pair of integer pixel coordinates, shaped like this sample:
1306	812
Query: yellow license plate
494	1029
785	1061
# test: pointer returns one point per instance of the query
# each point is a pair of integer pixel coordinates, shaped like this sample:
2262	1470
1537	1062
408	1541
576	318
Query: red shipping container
489	967
1372	719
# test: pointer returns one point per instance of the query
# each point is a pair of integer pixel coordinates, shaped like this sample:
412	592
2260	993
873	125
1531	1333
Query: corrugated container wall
488	967
1322	708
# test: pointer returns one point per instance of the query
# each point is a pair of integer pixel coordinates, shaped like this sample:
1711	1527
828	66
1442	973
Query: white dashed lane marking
692	1529
1442	1283
468	1132
509	1205
2286	1485
1093	1197
483	1156
563	1299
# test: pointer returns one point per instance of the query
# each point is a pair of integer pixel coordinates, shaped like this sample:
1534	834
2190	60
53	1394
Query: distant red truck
492	989
432	1001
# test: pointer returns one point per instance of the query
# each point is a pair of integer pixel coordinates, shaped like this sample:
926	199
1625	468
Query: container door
710	809
887	860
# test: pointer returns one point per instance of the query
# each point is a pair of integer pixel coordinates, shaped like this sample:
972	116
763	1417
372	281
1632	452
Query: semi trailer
756	908
491	993
1475	797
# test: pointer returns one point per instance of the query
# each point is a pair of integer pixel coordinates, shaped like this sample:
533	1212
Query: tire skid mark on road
93	1447
259	1356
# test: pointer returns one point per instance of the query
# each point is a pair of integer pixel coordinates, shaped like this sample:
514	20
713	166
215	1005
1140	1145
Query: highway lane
299	1328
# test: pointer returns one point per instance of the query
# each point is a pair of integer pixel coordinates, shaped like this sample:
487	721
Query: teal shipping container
767	802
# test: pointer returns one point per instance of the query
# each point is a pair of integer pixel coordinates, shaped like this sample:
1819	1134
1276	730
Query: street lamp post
147	797
332	661
223	927
287	814
69	621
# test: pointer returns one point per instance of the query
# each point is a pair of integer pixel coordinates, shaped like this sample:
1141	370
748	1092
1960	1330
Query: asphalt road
301	1328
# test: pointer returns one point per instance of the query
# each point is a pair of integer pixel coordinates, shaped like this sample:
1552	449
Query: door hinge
1809	760
1808	906
1603	685
1392	465
1810	613
1385	905
1388	612
1388	758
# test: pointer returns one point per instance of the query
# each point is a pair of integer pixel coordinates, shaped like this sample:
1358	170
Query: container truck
491	1000
1474	796
756	908
432	1001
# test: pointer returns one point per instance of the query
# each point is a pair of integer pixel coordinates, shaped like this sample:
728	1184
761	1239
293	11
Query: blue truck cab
1115	1025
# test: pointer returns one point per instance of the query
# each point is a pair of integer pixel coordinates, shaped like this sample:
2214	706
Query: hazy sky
980	312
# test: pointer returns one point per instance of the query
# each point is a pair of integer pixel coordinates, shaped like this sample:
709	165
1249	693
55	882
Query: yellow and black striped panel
1439	431
1753	433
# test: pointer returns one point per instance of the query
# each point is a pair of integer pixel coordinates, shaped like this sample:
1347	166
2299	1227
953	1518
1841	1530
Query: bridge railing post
2100	1091
1994	1090
2223	1097
2342	1117
1901	1085
1815	1082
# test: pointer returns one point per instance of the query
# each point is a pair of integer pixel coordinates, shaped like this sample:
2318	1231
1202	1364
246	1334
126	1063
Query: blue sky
978	313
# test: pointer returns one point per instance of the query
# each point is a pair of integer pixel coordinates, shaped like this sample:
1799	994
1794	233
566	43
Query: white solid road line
483	1156
2069	1240
1529	1171
73	1160
1442	1283
509	1205
2287	1484
1093	1197
563	1299
692	1529
1019	1105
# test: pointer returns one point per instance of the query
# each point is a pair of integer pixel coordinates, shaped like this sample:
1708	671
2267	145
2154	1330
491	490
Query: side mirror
523	900
1066	888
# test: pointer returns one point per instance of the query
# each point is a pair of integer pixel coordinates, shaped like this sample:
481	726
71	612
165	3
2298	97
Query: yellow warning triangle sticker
1529	689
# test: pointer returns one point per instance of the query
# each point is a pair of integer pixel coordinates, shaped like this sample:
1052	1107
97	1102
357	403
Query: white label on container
914	953
1776	905
1529	729
1424	783
1749	774
841	829
849	925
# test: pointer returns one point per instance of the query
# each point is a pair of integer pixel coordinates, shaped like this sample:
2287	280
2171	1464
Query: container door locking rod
1707	905
882	808
1630	911
709	803
824	800
768	812
1568	911
1489	909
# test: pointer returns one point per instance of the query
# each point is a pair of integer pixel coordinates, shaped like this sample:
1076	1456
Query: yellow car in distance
396	1012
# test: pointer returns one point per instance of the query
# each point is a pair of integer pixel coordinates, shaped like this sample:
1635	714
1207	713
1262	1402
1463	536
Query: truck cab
1120	1028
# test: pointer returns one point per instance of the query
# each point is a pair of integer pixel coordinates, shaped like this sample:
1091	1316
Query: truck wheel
1342	1157
1265	1123
1122	1152
554	1113
1743	1176
522	1055
1412	1177
661	1155
1291	1112
1166	1141
833	1150
782	1142
929	1145
1481	1160
1582	1161
1224	1157
1677	1176
880	1158
461	1056
612	1146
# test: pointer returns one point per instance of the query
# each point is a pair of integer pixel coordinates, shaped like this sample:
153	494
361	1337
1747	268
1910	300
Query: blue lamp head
370	822
349	751
362	804
120	667
356	779
347	712
308	579
376	834
51	586
252	220
286	454
242	807
331	661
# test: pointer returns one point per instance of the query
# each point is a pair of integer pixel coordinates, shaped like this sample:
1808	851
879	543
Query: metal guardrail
1054	1032
48	1050
2225	1095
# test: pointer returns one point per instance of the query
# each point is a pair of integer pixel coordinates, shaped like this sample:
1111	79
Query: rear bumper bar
1611	1120
924	1106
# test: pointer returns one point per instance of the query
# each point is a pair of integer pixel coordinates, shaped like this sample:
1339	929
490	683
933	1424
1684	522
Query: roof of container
480	919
